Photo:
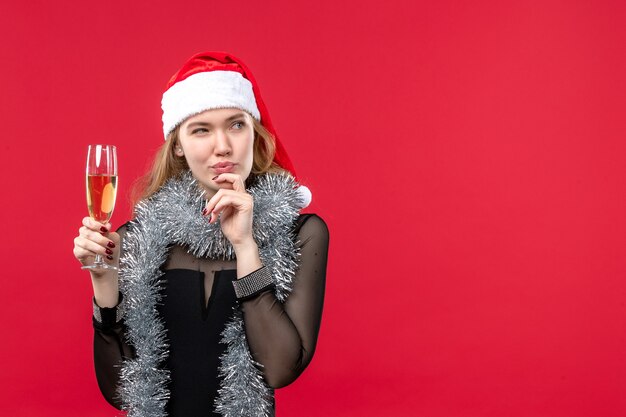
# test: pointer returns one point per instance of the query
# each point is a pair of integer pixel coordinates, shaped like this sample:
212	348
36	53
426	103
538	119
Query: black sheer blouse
198	301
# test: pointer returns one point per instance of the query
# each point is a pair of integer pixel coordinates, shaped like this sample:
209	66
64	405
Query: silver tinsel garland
173	216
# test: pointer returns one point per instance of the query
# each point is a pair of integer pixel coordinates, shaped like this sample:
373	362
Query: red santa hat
214	80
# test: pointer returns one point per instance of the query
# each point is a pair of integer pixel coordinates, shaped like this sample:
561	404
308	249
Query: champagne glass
101	189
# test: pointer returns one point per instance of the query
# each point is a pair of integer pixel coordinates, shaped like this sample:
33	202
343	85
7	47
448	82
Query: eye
238	125
199	131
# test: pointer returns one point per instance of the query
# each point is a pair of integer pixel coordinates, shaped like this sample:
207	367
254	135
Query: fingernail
103	229
204	212
210	217
109	257
111	244
109	251
215	177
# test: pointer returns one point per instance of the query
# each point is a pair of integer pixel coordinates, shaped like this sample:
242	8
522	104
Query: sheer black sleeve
110	349
282	337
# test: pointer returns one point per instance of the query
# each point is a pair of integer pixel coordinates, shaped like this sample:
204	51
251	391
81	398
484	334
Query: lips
223	167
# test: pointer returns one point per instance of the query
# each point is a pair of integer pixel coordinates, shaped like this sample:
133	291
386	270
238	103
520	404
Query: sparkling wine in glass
101	189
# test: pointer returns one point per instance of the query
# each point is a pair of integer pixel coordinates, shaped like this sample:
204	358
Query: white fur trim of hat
206	91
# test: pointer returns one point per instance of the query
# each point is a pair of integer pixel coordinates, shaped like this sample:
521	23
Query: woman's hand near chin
235	209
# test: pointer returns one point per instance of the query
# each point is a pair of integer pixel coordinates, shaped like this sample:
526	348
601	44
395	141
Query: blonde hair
167	164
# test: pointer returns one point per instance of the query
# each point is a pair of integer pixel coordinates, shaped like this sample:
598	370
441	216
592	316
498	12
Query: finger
97	244
239	202
110	240
234	179
227	198
86	257
220	215
228	206
84	248
224	207
83	255
217	205
210	205
80	252
97	226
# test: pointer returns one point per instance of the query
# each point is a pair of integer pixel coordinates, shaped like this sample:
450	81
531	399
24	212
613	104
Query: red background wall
468	158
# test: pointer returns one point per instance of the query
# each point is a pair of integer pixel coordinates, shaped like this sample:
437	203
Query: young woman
218	298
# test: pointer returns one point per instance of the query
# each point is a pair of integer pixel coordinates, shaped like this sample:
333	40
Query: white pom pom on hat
212	80
305	196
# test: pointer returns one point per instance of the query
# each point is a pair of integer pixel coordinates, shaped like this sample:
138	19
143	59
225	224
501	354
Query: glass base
99	266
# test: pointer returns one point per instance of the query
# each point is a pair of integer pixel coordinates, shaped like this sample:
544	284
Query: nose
222	143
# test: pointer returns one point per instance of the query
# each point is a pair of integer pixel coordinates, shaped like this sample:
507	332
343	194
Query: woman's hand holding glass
93	239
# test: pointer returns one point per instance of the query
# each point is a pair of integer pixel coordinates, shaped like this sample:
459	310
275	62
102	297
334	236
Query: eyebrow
228	119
